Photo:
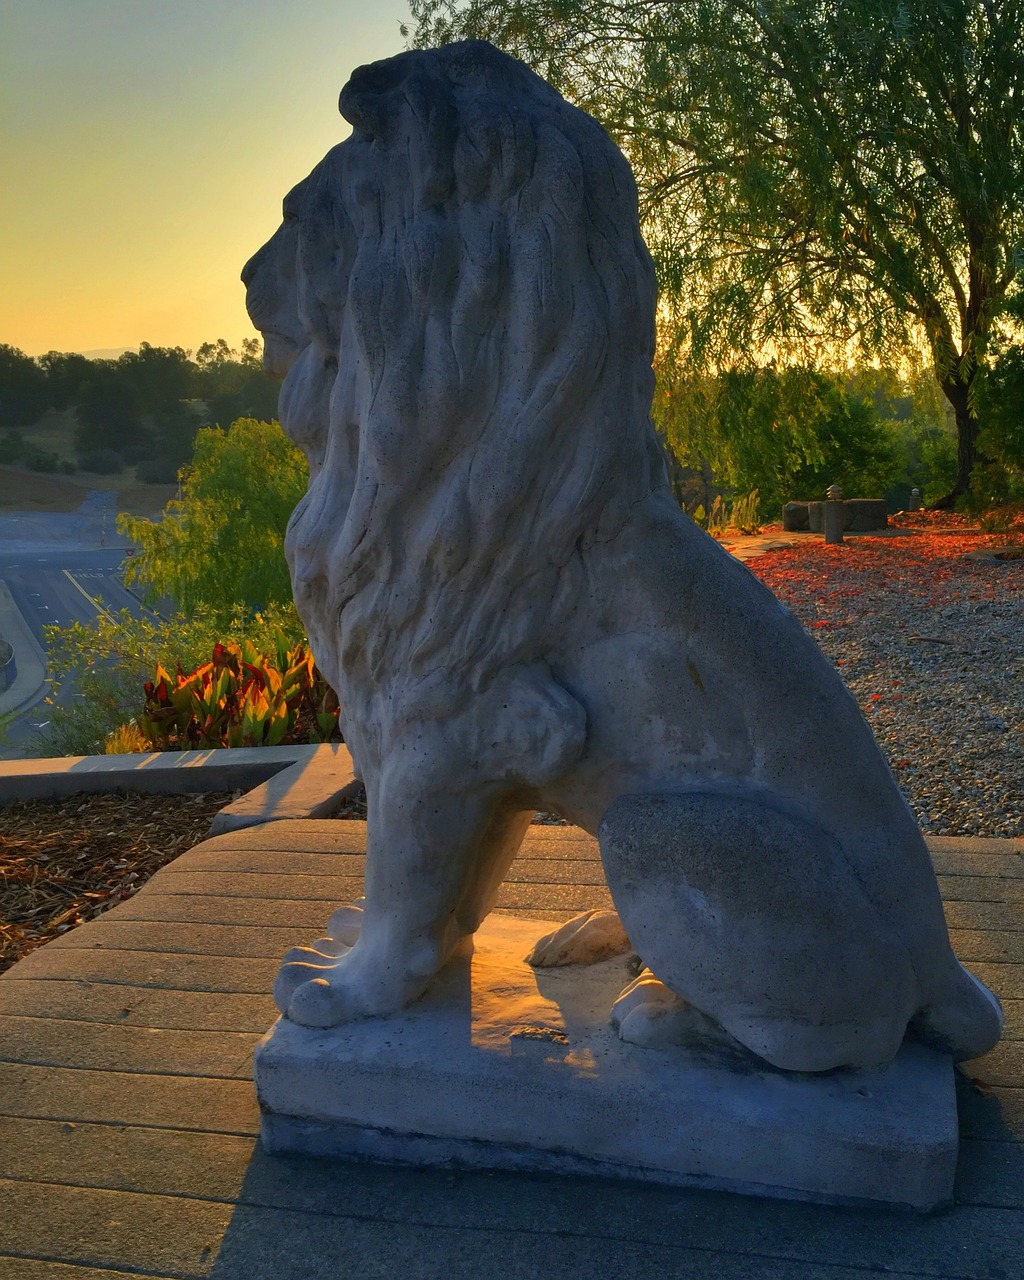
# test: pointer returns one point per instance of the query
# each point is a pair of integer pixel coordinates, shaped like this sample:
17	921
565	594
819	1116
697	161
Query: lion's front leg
434	862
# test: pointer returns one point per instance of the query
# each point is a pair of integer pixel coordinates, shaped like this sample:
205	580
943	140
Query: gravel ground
930	640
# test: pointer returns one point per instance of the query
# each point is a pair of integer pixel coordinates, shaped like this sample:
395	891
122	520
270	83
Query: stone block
795	517
503	1066
864	515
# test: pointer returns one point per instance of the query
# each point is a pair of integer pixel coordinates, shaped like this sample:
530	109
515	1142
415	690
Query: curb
28	656
280	782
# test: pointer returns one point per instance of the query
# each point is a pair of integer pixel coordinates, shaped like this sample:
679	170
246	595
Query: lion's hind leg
754	917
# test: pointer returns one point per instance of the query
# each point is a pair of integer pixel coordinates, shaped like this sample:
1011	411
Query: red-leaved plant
240	698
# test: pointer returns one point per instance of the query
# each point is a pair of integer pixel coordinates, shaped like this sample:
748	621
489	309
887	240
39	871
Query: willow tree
829	175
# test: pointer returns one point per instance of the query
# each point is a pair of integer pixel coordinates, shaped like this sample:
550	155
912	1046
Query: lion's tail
962	1015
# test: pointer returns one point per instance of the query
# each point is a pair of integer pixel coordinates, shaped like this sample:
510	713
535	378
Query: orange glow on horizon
148	151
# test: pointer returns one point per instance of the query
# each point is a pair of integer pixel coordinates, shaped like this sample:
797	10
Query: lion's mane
472	276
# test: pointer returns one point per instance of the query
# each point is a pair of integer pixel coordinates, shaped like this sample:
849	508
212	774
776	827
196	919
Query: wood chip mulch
63	862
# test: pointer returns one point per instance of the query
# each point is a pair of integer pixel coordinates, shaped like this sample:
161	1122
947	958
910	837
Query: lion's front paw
312	967
586	939
346	924
318	1002
310	987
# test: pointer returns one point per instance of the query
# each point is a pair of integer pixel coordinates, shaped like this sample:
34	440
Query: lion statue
517	615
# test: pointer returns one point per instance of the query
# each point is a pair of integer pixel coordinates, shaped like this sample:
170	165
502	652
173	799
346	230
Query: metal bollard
833	514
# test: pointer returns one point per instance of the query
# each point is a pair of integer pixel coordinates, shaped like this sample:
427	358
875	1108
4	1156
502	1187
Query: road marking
95	603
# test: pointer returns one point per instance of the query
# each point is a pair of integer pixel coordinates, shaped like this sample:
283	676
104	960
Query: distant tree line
144	408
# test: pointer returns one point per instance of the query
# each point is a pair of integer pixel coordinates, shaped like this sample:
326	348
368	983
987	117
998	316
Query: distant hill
105	353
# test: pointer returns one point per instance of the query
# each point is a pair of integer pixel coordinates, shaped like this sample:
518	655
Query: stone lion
517	615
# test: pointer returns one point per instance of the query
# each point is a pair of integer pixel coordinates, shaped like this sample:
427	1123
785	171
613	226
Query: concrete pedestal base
504	1066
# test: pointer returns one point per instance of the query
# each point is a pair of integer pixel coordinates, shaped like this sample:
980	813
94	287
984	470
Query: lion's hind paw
649	1014
586	939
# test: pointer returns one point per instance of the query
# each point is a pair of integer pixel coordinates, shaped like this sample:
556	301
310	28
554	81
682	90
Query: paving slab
949	862
1007	916
166	1162
299	914
116	1229
58	1042
992	946
1006	980
304	1218
982	889
149	969
111	1097
111	934
1003	1066
46	1269
162	772
139	1006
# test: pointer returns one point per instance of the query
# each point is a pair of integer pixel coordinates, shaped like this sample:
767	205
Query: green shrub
105	462
223	539
157	471
12	446
109	659
40	460
740	514
786	433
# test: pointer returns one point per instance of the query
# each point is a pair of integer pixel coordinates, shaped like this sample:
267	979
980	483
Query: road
60	585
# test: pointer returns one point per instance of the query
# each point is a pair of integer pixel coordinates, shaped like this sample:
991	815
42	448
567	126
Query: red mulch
63	862
915	561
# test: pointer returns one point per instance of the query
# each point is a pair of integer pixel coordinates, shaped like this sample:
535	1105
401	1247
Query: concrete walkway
127	1116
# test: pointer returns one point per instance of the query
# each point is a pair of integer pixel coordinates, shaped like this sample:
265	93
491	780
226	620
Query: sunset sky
146	146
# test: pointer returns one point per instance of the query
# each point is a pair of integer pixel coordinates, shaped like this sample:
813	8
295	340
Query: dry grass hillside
22	489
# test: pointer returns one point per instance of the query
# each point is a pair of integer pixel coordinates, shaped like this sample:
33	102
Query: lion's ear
532	729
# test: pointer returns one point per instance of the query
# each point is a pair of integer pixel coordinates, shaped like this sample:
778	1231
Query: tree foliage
22	387
813	176
1001	400
222	543
788	433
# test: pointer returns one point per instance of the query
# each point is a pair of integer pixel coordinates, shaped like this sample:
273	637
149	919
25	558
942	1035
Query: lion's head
466	306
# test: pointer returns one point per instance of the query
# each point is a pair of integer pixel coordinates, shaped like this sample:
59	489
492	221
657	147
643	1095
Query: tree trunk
674	468
967	428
